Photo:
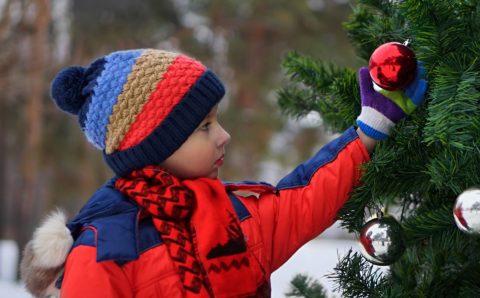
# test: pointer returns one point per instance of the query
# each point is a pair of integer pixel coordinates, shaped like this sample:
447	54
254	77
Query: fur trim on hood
45	255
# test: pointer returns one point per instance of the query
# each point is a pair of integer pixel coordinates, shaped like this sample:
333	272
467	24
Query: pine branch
438	266
453	111
314	74
423	226
358	278
321	87
297	102
471	287
452	171
439	27
304	286
373	23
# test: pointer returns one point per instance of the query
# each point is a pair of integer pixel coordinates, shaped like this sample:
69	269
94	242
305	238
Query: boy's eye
205	126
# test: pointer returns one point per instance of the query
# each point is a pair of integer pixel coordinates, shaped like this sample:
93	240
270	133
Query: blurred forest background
45	160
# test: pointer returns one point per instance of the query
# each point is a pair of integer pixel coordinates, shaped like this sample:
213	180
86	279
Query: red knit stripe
176	82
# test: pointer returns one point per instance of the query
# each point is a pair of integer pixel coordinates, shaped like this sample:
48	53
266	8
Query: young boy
165	225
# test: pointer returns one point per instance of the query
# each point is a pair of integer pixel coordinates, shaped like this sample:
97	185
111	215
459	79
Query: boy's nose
224	138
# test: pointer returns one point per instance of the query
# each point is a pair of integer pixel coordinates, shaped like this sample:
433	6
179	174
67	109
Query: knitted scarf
197	223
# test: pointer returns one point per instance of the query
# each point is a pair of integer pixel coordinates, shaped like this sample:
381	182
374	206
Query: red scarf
198	224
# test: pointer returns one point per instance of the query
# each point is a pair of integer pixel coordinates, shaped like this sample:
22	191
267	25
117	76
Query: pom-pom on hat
138	106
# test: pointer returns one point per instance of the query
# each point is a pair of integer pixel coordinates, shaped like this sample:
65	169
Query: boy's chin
213	174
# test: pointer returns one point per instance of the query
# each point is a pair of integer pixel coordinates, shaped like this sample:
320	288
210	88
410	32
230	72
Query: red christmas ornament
392	66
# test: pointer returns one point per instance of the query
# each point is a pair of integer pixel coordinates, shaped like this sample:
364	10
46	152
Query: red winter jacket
117	254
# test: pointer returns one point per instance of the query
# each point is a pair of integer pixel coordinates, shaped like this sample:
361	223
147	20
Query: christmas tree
431	158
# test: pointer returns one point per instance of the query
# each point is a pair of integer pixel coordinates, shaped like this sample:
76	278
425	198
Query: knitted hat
138	106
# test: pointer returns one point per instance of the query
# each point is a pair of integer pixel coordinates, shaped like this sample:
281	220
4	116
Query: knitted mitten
382	109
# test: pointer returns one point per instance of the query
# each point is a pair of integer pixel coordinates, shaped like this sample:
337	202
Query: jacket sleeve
308	199
84	277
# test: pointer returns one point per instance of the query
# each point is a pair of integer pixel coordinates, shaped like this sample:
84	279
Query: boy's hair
138	106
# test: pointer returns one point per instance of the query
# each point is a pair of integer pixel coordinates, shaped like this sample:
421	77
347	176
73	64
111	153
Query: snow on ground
316	259
12	290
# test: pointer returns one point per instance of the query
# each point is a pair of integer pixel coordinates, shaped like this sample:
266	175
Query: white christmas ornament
467	211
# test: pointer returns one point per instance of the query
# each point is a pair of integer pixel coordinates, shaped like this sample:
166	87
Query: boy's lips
219	161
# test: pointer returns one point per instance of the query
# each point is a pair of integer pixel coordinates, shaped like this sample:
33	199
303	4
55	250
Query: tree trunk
7	64
31	207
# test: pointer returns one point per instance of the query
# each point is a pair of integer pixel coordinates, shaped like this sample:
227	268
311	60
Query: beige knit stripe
141	82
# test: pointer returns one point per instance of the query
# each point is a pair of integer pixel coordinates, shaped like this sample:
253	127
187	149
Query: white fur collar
45	254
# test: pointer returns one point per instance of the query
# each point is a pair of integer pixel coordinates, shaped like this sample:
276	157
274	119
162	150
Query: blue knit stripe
370	131
93	71
107	88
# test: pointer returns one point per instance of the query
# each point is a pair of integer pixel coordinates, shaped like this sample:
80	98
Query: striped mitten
382	109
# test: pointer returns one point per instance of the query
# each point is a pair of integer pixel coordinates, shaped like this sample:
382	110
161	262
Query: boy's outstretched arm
308	199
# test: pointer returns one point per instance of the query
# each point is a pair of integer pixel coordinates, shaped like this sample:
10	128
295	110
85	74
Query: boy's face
202	153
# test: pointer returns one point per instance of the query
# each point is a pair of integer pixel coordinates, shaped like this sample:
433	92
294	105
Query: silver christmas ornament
467	211
381	240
